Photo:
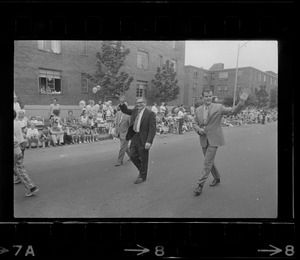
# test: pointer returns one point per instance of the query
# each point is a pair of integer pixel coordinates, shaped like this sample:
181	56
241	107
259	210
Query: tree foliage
274	98
108	75
165	86
262	96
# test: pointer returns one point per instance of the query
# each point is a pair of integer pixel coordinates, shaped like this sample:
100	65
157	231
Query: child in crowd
32	135
33	120
88	134
45	137
70	119
95	135
67	136
57	134
82	136
84	118
74	135
55	118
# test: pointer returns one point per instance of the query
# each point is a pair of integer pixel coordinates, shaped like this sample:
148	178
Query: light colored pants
20	171
209	165
123	149
57	137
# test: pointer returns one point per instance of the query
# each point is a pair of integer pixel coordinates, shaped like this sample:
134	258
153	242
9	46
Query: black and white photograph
145	129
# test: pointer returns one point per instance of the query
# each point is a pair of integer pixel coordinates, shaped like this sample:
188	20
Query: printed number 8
159	251
289	250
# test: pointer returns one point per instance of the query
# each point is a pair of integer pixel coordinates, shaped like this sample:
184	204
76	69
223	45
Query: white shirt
180	114
162	109
32	132
154	109
139	120
18	131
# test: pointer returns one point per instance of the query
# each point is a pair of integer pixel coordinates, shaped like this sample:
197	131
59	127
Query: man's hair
140	98
56	112
206	89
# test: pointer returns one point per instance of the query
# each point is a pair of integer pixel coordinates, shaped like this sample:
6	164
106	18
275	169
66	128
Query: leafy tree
165	83
108	75
274	98
262	96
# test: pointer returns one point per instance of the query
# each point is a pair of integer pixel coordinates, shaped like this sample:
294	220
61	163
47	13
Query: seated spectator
55	118
67	136
88	134
56	134
84	118
70	120
82	135
45	137
95	135
23	119
33	120
32	135
74	135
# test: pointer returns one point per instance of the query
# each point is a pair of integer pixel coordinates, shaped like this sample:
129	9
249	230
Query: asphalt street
81	181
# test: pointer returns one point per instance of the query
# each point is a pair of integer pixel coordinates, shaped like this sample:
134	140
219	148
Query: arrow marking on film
142	250
3	250
274	251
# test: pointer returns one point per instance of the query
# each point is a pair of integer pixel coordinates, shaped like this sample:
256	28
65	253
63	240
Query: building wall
71	61
248	79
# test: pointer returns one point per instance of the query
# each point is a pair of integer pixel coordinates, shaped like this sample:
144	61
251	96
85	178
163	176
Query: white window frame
84	80
55	46
141	58
223	75
222	89
49	75
141	88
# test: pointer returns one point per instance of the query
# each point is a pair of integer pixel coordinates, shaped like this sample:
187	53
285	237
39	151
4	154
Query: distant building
44	70
221	81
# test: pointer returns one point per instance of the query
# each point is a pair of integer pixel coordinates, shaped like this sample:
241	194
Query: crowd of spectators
98	119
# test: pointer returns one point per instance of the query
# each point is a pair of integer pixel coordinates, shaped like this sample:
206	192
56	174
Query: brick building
221	81
44	70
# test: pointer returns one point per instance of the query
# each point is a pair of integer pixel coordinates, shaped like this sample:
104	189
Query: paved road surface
81	180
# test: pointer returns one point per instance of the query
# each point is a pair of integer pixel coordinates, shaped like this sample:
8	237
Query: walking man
122	122
141	132
207	124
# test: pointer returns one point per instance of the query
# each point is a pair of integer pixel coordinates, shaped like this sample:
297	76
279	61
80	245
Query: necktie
136	122
121	119
205	114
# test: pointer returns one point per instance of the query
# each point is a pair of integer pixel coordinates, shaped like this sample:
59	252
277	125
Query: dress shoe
215	182
118	164
139	180
198	190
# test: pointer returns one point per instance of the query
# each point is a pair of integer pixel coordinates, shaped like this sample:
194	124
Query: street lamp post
236	71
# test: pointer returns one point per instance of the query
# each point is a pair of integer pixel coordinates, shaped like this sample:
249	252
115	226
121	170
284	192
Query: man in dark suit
141	132
207	124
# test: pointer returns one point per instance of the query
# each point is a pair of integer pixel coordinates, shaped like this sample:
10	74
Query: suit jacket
147	126
122	122
214	133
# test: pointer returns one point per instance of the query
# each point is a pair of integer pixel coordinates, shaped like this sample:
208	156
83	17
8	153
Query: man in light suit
141	132
122	122
207	124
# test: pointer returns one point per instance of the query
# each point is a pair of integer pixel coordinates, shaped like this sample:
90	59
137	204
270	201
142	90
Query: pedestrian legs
123	150
210	154
214	171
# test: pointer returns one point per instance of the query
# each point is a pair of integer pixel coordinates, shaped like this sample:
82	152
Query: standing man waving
141	132
207	124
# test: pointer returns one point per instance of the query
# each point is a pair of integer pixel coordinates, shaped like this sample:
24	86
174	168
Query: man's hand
147	146
201	131
245	94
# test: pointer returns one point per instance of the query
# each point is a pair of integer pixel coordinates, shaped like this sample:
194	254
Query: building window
265	78
223	75
174	62
194	87
212	88
195	74
161	61
205	76
259	77
174	45
212	76
84	83
49	81
84	47
275	81
51	46
141	89
222	89
142	60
